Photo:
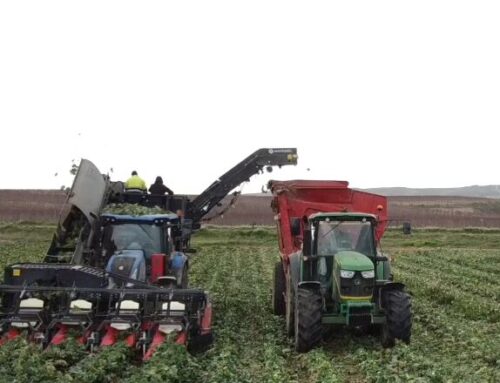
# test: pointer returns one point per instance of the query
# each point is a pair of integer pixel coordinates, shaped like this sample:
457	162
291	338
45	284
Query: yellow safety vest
135	182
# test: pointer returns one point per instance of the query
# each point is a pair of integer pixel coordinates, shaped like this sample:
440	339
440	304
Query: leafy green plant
451	275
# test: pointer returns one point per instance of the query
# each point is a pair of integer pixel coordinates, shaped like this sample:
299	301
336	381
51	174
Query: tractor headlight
346	274
368	274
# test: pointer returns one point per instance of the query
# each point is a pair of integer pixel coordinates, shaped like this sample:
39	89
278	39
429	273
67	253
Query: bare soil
421	211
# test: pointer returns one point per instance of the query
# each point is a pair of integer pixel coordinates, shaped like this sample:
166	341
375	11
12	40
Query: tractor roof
342	216
145	219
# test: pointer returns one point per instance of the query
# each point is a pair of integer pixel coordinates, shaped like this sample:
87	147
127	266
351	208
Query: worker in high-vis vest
135	183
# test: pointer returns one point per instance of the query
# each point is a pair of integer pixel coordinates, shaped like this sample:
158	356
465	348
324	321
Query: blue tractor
142	248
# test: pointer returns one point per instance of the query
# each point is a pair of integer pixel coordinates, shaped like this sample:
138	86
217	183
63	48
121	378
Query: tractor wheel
397	306
279	286
198	344
308	328
289	306
185	277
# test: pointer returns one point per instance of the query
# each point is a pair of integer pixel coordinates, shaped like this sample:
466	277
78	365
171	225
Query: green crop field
452	275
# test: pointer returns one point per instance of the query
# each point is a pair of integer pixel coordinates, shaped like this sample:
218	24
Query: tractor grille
359	316
356	286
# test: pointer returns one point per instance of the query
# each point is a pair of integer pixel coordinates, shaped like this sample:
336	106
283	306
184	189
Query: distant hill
476	191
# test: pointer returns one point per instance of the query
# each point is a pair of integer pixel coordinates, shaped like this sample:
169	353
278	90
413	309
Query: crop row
456	331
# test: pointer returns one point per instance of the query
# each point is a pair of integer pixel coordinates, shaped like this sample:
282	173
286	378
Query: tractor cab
143	248
344	248
338	232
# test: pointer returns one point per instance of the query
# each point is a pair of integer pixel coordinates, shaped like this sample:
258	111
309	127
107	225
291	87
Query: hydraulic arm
253	164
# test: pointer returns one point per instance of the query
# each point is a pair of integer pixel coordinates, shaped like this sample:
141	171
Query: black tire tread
289	308
308	327
279	286
397	305
185	277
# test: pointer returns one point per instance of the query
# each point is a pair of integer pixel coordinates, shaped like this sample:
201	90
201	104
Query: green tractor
332	272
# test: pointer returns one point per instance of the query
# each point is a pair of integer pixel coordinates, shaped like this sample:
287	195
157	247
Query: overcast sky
379	93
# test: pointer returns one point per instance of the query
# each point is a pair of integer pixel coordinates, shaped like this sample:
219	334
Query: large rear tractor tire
279	286
397	305
308	311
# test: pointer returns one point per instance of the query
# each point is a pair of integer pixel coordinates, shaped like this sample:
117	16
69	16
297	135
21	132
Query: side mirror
306	243
295	226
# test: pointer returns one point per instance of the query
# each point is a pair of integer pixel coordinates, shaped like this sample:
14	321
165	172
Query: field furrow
456	327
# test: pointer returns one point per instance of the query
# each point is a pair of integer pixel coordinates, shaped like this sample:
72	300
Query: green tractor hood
352	260
356	287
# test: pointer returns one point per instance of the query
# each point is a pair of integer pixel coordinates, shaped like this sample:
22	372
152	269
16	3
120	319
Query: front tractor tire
397	306
308	311
279	286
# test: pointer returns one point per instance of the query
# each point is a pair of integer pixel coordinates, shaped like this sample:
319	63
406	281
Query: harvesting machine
331	270
118	277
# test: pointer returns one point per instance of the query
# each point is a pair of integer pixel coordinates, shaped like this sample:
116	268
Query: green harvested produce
132	209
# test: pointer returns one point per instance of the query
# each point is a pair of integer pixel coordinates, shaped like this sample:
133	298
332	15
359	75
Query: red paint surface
158	266
301	198
13	333
157	340
110	337
60	335
206	320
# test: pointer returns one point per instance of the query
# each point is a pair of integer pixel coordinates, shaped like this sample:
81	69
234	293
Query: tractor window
137	237
334	236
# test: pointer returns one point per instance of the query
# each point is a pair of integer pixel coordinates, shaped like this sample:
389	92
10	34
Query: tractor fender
177	260
393	286
295	260
311	285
